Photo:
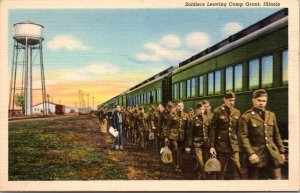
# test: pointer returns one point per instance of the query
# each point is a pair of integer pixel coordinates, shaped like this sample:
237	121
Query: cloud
66	41
166	50
197	40
170	41
169	49
231	28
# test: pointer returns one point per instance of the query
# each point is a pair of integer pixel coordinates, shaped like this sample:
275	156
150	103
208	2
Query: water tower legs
28	79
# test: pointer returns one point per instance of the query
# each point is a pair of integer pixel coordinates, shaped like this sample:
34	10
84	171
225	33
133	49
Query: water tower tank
28	30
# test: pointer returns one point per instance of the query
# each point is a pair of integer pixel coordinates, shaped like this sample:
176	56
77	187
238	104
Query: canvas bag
212	165
166	156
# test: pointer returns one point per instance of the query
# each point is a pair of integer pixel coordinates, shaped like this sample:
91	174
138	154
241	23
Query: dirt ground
73	148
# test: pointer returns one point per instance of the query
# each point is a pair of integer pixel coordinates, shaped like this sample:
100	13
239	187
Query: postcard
149	95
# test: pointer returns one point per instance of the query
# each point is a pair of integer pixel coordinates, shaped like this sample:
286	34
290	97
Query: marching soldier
198	138
177	126
223	134
152	128
125	114
143	127
261	140
164	119
161	120
133	125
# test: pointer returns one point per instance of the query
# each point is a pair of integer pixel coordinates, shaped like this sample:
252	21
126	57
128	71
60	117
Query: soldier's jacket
261	137
164	117
131	118
142	121
198	132
178	126
223	130
209	117
154	120
125	116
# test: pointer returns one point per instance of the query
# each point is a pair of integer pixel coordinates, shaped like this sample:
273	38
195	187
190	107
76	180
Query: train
255	57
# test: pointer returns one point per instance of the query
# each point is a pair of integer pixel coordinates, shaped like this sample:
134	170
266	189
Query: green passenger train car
256	57
253	58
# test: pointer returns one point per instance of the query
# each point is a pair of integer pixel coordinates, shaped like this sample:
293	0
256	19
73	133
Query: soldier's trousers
177	148
225	159
134	136
143	137
202	155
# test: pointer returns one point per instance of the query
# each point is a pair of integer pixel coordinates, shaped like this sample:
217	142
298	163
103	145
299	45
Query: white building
38	108
53	108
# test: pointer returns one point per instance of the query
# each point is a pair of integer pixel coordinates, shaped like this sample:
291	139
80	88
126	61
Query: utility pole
79	91
48	109
87	100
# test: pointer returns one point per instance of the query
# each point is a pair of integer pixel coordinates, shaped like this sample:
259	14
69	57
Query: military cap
259	93
170	105
199	104
141	108
152	107
229	94
191	109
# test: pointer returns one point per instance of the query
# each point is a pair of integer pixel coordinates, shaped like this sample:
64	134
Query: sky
104	52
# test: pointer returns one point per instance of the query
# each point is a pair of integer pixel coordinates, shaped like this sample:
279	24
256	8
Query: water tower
27	53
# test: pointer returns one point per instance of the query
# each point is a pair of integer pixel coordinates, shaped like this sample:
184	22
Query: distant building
53	108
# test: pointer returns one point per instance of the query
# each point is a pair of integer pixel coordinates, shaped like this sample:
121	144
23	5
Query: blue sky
106	51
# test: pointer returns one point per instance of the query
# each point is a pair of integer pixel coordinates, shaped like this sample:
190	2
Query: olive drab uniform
223	137
126	122
143	129
154	122
199	139
178	126
259	134
133	127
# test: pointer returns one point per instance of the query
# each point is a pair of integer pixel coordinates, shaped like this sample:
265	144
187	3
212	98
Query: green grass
58	150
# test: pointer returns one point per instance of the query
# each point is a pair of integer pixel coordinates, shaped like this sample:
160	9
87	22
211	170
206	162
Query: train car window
201	92
174	91
180	89
188	88
154	96
238	78
158	94
193	87
218	82
254	74
285	68
211	83
229	78
267	71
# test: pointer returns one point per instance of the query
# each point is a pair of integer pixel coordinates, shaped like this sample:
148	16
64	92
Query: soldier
143	127
198	138
164	119
153	125
133	126
223	134
261	140
161	120
177	126
126	121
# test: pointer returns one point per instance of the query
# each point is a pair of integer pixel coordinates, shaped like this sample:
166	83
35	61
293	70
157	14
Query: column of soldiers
223	134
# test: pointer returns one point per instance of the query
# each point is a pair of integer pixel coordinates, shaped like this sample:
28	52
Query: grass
62	149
